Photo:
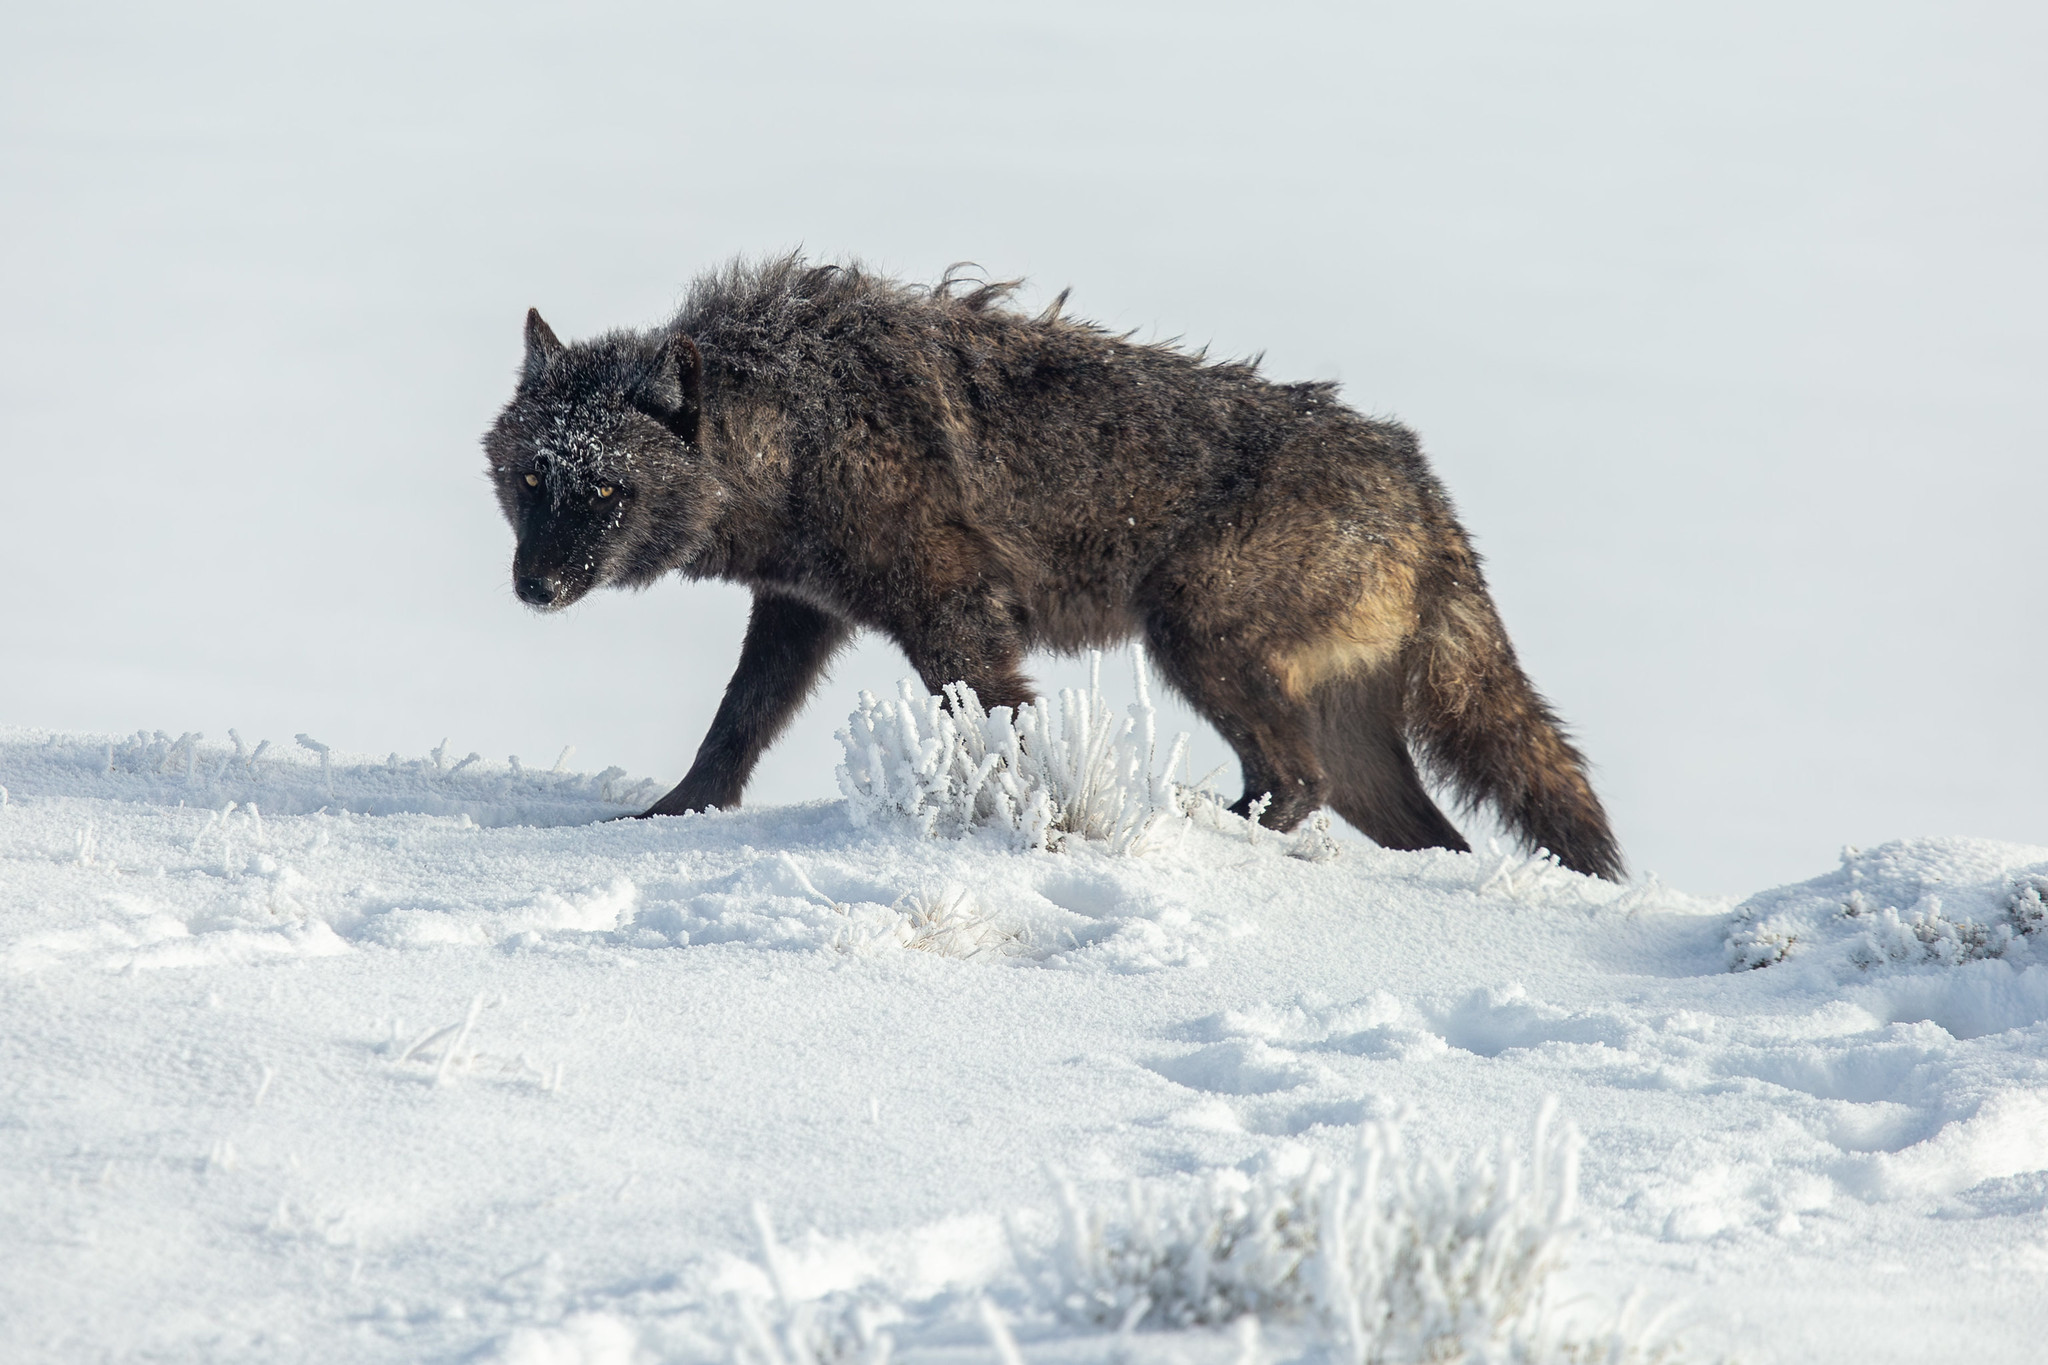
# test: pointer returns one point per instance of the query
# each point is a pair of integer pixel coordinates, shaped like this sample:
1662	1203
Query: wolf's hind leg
787	647
1373	782
1272	733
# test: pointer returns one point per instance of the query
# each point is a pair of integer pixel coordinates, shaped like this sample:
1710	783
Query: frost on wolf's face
594	444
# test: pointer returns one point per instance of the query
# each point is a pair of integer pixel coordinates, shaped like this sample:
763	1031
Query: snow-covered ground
309	1056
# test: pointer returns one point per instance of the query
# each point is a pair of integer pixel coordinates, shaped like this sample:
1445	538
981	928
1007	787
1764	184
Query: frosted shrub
1047	772
1762	942
2026	908
2005	923
1398	1257
1929	933
1908	905
1179	1258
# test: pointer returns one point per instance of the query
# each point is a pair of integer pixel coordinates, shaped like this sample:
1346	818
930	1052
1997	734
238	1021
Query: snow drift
315	1055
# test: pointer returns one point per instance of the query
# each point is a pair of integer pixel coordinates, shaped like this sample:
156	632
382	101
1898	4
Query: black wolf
974	481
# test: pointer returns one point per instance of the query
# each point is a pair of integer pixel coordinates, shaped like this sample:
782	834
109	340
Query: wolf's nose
538	590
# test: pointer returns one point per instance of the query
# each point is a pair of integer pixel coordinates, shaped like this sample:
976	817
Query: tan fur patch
1466	643
1369	635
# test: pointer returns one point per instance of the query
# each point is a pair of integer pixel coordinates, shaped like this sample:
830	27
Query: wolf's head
594	462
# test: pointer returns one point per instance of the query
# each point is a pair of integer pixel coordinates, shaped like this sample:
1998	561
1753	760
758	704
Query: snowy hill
319	1057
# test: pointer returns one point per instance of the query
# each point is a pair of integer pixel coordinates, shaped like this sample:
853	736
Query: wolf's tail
1480	727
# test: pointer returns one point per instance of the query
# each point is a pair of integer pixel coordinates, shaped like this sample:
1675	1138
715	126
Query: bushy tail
1480	727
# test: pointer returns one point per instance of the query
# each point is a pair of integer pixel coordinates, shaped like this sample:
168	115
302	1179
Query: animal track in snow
1237	1067
1490	1022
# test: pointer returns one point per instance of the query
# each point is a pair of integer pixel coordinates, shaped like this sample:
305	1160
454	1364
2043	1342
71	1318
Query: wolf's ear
676	397
542	345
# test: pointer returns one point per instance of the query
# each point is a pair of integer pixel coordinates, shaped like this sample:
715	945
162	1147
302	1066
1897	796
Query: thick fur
973	482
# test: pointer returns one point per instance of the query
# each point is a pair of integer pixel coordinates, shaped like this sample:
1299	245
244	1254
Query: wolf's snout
538	590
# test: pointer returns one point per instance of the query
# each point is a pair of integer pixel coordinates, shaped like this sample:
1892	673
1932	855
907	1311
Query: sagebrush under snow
1918	903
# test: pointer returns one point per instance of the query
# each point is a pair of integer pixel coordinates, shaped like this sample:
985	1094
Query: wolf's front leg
787	647
970	641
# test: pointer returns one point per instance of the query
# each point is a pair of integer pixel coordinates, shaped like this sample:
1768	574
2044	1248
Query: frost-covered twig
999	1334
1515	876
1204	805
952	923
326	758
454	1049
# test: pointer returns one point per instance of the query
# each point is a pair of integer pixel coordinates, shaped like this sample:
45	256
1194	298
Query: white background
1723	324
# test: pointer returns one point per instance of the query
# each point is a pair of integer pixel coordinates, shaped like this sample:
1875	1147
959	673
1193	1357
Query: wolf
974	481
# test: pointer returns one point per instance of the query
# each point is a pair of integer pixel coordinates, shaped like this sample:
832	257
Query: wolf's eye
533	480
605	490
